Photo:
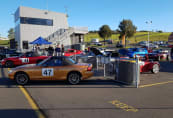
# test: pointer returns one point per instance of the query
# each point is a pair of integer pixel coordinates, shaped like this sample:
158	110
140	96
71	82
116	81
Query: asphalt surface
95	98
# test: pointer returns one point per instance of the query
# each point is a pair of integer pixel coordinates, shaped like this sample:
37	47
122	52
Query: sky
95	13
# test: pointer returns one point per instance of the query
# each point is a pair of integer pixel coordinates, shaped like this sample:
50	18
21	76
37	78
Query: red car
71	52
146	66
26	58
159	55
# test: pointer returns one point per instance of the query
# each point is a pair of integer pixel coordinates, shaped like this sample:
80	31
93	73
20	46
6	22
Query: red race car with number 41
26	58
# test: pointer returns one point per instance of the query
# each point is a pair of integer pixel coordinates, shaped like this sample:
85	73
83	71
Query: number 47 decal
47	71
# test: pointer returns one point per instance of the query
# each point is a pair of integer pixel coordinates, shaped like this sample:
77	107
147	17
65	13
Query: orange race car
52	68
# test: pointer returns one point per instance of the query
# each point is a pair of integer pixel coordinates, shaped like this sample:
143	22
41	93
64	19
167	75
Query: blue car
132	52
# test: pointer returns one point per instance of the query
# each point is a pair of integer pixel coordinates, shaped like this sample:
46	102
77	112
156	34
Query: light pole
148	22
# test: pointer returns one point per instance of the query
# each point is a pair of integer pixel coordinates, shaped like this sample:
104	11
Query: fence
122	70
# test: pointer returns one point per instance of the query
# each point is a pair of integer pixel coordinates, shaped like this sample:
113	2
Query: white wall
29	32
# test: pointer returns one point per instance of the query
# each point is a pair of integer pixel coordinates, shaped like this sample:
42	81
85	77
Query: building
31	23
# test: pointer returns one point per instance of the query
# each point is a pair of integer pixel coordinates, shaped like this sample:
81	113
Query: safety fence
126	71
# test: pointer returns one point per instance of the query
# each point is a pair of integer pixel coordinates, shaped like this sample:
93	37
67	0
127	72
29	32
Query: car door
45	71
24	59
60	69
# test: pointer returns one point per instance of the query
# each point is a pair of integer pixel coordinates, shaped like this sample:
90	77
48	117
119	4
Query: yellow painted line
123	106
32	103
149	85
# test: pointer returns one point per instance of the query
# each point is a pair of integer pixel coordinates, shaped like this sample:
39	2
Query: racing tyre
1	57
155	68
9	64
168	58
73	78
21	78
158	58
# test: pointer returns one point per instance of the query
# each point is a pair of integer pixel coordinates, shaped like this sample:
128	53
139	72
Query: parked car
119	45
5	53
109	41
151	46
115	55
52	68
132	52
96	51
95	40
26	58
164	45
97	43
143	43
72	52
146	66
160	55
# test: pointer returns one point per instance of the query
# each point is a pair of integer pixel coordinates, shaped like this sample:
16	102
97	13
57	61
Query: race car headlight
10	71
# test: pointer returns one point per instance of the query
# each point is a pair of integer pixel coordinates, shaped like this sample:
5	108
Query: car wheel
158	58
155	68
21	78
9	64
168	58
1	57
73	78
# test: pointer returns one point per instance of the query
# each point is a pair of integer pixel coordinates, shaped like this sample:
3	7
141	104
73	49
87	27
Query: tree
159	31
11	33
105	32
126	30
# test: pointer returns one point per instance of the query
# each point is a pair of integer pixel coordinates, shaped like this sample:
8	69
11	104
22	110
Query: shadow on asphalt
18	113
166	66
82	84
7	83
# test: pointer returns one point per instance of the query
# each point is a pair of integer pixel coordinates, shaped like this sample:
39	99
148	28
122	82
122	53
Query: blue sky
95	13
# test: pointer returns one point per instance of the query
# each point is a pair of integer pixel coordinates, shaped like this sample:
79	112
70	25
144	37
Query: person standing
58	51
62	50
50	51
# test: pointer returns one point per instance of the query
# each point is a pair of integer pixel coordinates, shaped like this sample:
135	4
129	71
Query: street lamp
148	22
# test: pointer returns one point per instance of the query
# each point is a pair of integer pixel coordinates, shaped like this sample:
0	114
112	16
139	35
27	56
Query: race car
159	55
26	58
52	68
5	53
132	52
147	66
71	52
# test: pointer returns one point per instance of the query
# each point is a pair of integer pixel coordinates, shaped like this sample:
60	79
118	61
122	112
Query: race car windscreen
42	62
69	61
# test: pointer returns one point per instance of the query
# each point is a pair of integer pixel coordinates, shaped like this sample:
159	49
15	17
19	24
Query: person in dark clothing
50	51
58	50
172	52
62	49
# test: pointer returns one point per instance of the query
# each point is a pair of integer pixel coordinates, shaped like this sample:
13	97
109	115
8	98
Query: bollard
137	72
104	70
97	63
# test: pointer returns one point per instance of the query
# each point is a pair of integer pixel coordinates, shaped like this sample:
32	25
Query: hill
139	36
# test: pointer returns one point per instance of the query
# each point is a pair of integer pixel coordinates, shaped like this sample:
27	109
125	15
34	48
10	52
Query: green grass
4	42
139	36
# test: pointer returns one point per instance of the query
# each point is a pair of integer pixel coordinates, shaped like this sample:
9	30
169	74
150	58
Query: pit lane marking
123	106
149	85
32	103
